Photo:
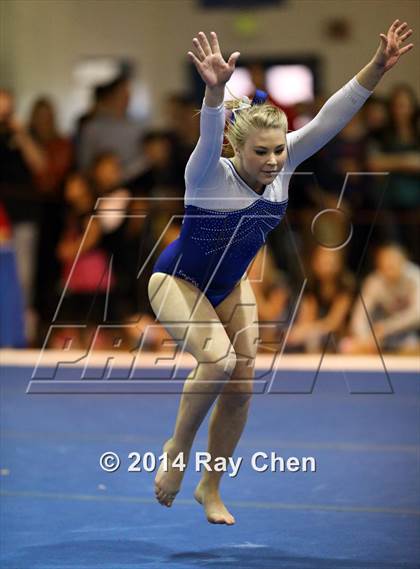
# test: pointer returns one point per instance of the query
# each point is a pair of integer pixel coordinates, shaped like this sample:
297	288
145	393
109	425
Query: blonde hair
247	118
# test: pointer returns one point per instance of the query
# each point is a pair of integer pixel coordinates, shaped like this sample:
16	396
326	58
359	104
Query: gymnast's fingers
200	52
214	42
204	43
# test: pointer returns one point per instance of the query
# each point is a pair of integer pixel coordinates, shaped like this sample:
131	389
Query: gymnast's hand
211	66
390	49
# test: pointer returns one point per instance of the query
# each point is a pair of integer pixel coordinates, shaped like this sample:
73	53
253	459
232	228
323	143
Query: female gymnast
199	289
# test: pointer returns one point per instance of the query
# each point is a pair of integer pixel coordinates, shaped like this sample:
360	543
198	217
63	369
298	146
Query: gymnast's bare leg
238	312
192	321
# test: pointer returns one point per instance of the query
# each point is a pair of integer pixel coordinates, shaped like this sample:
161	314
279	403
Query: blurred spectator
140	186
272	295
105	174
306	199
5	226
398	151
111	129
21	160
58	149
183	123
305	112
119	236
59	157
127	237
344	155
12	334
390	303
326	303
21	157
343	161
85	270
98	94
375	116
162	181
163	174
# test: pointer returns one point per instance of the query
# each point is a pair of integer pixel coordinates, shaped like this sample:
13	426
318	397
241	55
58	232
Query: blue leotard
226	221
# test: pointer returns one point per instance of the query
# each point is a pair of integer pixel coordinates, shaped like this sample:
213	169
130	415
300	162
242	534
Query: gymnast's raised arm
344	104
215	72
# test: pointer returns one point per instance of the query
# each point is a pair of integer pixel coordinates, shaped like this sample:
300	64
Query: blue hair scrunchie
259	98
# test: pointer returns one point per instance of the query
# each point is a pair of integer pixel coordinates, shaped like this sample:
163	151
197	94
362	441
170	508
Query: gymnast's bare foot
167	484
215	510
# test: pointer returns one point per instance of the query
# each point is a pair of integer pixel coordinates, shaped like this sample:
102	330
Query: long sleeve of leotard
334	115
203	164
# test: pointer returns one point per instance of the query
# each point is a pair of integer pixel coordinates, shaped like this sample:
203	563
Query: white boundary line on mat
330	362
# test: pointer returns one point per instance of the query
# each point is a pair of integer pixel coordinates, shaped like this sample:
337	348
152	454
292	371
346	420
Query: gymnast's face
261	157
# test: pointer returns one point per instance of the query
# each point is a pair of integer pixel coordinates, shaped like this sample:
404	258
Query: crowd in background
83	218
